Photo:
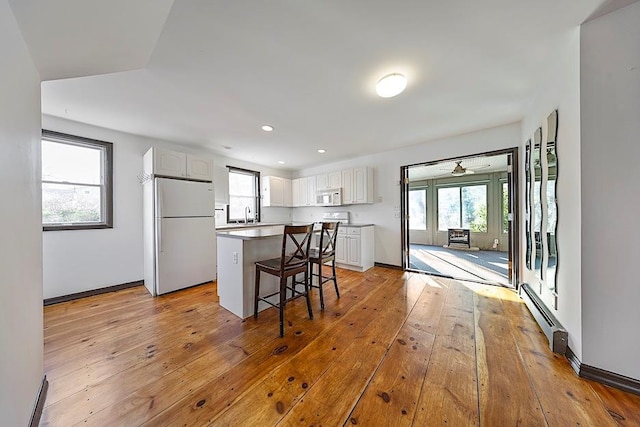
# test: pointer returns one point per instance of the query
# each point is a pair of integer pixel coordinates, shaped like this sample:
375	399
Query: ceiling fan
460	170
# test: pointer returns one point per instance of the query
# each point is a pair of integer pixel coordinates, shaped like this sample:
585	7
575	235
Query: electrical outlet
235	257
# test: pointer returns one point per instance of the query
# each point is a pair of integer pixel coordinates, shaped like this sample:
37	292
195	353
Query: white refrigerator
179	234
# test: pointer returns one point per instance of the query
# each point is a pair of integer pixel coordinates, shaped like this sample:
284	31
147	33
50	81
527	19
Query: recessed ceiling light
391	85
281	162
322	151
226	147
267	128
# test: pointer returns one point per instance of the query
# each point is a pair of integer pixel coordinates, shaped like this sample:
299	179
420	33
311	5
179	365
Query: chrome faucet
247	211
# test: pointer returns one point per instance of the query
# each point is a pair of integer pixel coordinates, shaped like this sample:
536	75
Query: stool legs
283	297
320	286
322	280
335	277
256	294
307	287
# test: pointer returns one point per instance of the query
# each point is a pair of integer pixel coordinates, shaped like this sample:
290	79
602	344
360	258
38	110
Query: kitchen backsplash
266	215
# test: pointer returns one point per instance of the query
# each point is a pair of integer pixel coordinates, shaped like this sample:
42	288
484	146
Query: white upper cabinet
168	163
199	168
274	191
357	185
163	162
221	184
295	193
303	191
347	186
311	191
329	181
288	194
322	181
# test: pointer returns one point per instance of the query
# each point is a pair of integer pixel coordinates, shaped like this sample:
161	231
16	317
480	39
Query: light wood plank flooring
396	349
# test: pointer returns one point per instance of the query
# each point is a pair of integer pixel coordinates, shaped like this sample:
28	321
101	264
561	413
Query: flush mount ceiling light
322	151
281	162
267	128
391	85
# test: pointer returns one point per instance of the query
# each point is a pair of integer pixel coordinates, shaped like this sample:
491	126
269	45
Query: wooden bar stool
324	253
293	260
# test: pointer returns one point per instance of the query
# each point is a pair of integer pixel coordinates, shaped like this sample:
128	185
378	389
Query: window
77	177
463	207
418	209
244	194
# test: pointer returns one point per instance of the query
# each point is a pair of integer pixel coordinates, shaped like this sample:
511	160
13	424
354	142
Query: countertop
262	231
253	233
227	227
250	225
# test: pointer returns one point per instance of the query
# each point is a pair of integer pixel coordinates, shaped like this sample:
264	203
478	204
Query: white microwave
332	197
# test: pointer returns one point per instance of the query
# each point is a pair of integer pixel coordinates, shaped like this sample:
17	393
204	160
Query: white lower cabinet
354	247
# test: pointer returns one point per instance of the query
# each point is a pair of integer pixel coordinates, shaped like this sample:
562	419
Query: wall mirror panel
537	202
541	207
552	206
528	203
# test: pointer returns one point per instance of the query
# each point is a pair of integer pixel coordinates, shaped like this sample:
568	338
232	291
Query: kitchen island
238	251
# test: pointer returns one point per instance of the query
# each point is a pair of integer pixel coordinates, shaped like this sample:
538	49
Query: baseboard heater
557	336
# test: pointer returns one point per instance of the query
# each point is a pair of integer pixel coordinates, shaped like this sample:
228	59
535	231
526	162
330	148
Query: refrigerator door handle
160	201
159	213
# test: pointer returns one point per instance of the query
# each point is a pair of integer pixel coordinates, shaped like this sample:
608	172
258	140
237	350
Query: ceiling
477	165
211	73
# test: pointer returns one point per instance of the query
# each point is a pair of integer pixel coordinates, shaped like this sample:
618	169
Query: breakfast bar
238	250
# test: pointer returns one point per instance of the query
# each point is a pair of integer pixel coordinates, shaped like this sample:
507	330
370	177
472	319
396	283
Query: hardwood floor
396	349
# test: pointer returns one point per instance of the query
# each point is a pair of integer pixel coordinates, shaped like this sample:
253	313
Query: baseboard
556	334
573	360
78	295
391	266
630	385
39	406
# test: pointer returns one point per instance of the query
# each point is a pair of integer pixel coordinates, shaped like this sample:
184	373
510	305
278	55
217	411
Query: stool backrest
328	237
296	242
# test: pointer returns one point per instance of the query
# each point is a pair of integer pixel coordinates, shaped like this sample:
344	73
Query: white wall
21	366
610	154
82	260
388	244
560	89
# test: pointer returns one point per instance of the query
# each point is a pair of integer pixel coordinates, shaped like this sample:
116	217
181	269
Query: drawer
353	231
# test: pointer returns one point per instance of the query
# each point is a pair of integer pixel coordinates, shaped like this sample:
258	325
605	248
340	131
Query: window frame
106	175
423	188
257	198
504	220
460	186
